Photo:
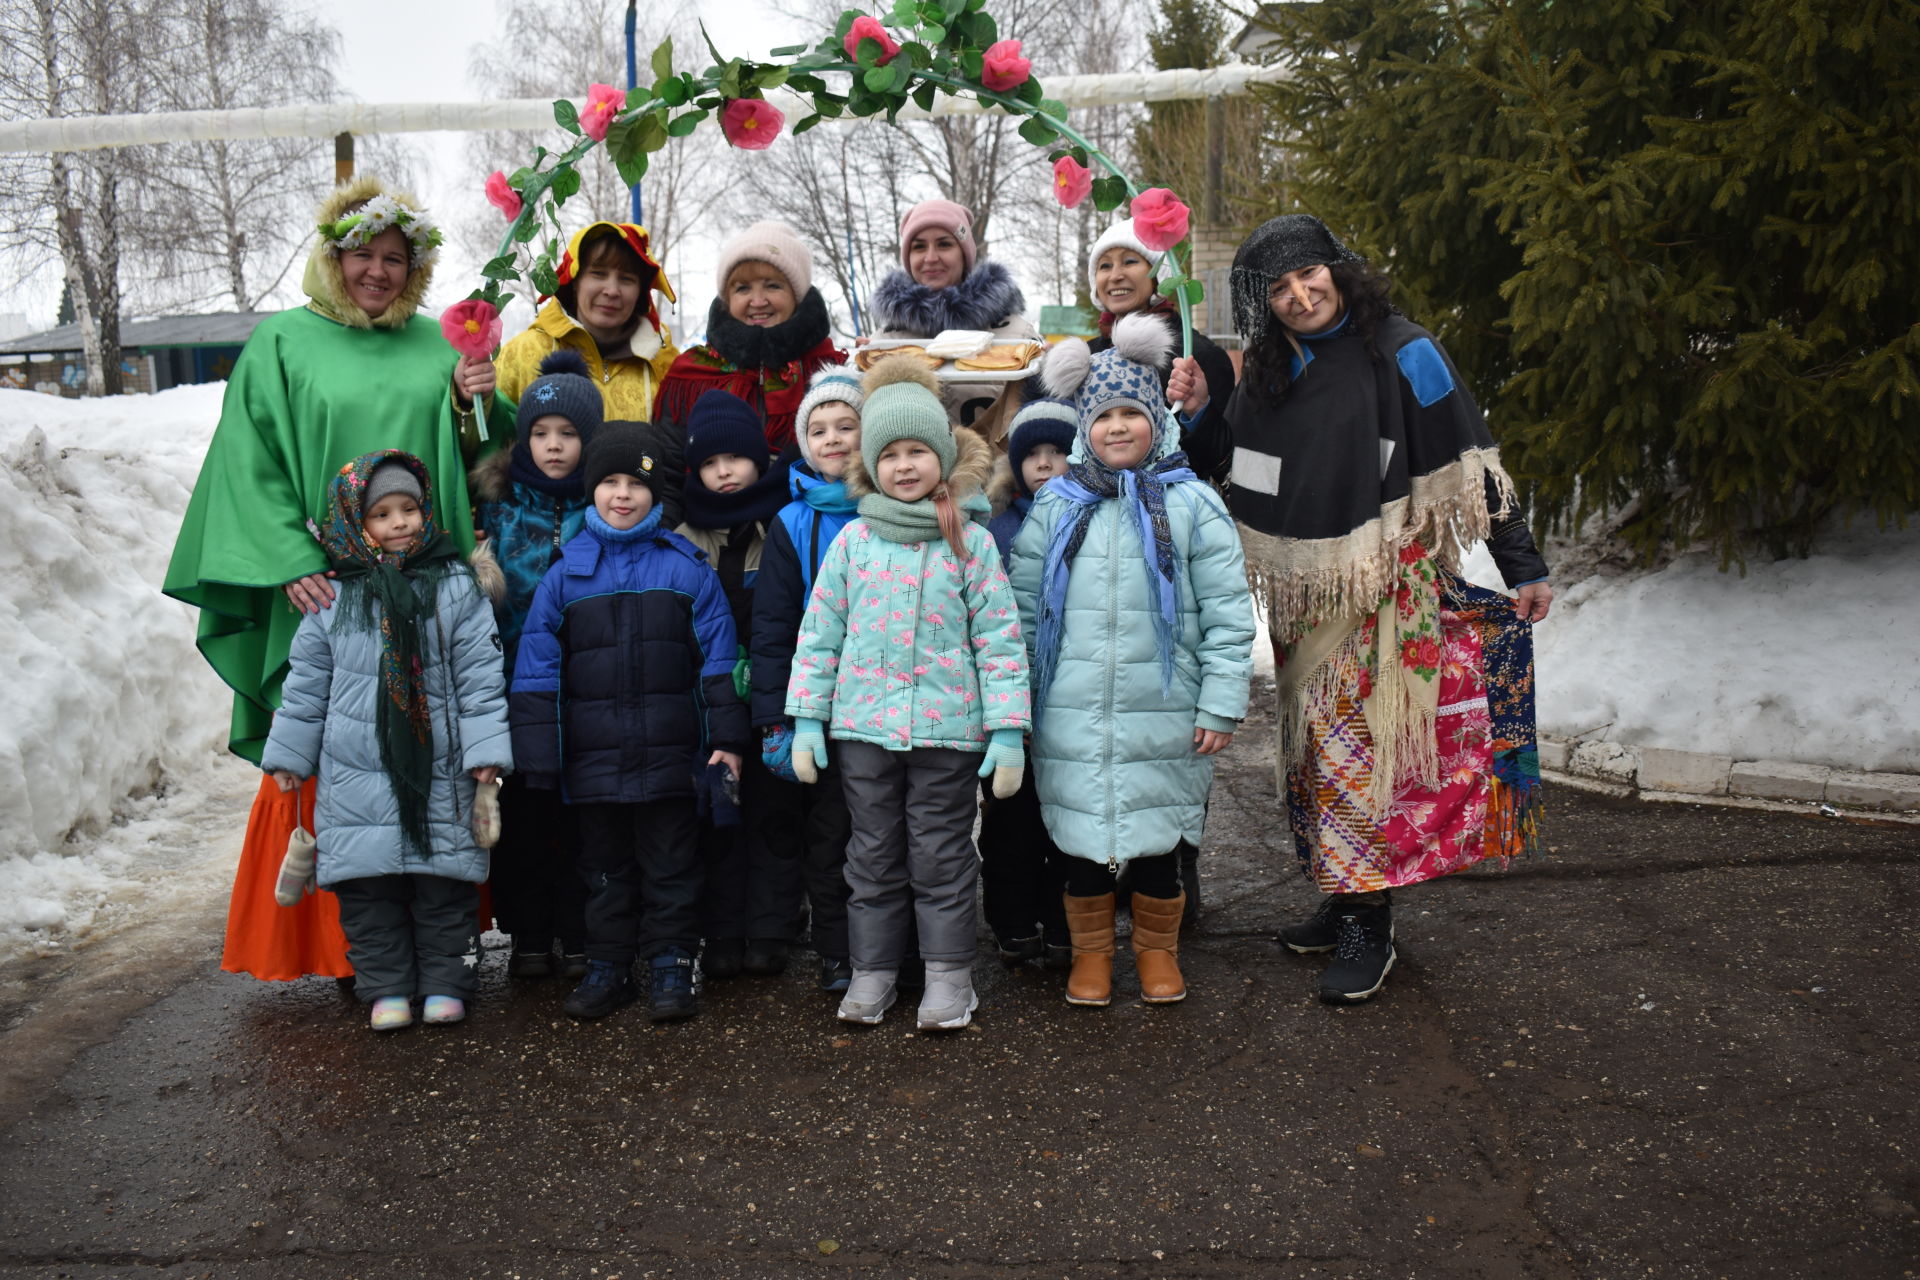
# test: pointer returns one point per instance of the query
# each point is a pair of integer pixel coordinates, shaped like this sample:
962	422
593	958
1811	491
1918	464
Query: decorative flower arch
953	48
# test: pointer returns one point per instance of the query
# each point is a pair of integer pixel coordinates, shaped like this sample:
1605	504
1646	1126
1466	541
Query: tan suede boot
1090	923
1156	947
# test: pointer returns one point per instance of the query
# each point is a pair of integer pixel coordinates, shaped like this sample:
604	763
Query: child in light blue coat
396	696
1133	596
910	657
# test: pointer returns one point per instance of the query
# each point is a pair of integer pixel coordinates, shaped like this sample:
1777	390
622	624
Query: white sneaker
869	996
949	1000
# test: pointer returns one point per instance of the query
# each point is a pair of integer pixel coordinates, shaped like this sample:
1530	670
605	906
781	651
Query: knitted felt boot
1156	947
1090	924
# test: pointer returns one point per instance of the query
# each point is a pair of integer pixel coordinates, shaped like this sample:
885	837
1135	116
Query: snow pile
1802	660
107	697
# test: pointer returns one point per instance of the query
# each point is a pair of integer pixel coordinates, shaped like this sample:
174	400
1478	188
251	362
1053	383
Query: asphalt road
1682	1044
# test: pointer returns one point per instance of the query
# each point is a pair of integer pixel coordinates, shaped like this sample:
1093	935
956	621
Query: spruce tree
1676	249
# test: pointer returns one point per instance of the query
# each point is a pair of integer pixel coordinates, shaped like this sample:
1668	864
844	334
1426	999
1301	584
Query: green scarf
898	521
407	587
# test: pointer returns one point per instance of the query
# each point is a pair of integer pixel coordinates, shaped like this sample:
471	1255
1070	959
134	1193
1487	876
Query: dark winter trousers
641	863
1155	877
538	894
753	870
411	935
805	828
1022	872
911	857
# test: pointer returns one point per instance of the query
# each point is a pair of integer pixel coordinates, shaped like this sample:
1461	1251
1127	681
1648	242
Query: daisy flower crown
359	228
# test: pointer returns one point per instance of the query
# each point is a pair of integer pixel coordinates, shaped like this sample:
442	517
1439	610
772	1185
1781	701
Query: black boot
1363	953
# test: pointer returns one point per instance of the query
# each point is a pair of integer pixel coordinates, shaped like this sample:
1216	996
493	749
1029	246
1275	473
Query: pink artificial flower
1159	219
472	327
751	124
865	28
501	196
1004	70
1071	181
603	104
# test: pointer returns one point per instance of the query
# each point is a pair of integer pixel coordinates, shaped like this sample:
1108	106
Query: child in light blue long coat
1134	600
396	697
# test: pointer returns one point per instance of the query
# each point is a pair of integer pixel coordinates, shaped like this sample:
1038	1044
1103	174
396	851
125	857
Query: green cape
307	396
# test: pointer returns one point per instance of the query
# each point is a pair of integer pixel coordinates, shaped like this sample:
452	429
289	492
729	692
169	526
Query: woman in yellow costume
605	310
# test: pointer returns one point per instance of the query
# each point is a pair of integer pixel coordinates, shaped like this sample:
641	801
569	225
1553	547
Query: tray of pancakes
994	360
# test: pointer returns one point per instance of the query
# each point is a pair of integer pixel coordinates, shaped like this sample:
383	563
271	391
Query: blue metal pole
853	282
633	81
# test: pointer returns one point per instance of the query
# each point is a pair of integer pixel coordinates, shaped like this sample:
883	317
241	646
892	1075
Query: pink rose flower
501	196
472	327
1004	70
603	104
751	124
1159	219
865	28
1071	181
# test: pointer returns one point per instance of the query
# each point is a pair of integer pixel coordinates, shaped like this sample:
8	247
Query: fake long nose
1299	290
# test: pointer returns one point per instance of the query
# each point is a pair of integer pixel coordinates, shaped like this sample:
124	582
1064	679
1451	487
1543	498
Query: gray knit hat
903	403
565	387
831	383
390	477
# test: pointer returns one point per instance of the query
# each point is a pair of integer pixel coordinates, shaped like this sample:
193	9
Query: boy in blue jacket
623	698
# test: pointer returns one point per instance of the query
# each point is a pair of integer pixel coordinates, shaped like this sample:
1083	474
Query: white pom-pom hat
1130	373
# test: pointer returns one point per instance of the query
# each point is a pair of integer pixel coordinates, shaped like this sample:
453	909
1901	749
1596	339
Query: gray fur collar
983	300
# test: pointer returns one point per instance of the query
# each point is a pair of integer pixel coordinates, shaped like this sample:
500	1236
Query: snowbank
107	697
1801	660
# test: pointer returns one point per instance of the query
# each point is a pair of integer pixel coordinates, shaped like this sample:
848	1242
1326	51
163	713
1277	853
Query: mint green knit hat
903	403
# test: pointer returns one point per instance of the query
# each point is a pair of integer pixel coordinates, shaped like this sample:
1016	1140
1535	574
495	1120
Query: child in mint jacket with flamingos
910	657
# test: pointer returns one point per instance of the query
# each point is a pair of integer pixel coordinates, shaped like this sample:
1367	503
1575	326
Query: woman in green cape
355	370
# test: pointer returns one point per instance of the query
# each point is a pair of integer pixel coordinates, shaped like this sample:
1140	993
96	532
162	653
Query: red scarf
775	392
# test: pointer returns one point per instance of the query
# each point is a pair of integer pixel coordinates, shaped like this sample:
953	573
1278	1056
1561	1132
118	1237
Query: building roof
221	329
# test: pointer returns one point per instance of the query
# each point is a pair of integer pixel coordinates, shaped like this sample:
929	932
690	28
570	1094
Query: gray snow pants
911	854
411	935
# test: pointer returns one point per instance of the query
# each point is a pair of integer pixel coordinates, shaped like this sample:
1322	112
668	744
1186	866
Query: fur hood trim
1001	489
328	288
490	480
984	299
973	465
487	573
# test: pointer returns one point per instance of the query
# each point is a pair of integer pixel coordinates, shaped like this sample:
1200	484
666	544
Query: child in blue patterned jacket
910	657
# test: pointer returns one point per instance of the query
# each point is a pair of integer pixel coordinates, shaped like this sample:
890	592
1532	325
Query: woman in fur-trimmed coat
942	286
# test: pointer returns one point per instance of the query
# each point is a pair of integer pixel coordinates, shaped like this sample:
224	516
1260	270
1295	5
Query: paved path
1682	1045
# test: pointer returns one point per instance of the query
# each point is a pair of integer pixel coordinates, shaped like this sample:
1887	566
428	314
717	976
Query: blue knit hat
721	422
1039	422
565	387
1126	374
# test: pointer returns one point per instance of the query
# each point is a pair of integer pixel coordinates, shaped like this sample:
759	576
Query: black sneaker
1059	955
671	996
723	957
1318	932
1362	957
607	986
766	957
835	973
1015	952
573	961
531	959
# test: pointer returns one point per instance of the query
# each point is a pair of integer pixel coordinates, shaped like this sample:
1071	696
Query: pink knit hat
939	215
777	245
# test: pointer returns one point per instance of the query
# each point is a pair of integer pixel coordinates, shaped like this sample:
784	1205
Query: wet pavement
1681	1045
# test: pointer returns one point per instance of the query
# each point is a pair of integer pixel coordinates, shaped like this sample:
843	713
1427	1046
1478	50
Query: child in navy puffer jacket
623	698
530	501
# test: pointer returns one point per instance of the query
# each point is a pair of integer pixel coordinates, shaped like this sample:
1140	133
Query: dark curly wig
1366	293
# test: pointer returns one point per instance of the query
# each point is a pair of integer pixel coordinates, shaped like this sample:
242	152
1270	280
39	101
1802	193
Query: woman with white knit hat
768	332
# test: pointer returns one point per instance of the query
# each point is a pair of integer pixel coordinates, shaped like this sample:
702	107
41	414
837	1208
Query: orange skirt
283	944
269	941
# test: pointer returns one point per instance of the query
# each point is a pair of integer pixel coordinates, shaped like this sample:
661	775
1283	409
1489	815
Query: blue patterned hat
1128	373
